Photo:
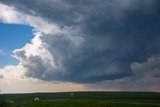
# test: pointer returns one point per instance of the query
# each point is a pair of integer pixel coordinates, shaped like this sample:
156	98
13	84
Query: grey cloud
73	12
1	77
113	34
146	78
151	67
85	63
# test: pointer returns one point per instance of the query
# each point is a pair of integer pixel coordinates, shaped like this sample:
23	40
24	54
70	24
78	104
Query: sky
70	45
12	37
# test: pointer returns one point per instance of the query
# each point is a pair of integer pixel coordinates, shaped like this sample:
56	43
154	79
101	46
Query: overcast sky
79	45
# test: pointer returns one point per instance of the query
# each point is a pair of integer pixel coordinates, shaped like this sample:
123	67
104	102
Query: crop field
82	99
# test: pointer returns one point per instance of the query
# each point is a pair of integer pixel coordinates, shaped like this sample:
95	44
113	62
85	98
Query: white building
36	99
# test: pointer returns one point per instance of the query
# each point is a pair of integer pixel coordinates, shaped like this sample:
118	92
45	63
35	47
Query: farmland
83	99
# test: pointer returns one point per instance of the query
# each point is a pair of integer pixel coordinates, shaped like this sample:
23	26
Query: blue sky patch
12	37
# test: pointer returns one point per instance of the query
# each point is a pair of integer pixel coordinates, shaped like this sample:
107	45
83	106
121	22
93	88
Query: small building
71	94
36	99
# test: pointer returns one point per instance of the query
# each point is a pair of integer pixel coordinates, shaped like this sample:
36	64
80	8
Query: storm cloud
96	40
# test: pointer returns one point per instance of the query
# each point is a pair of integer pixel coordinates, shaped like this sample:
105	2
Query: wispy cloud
10	15
2	52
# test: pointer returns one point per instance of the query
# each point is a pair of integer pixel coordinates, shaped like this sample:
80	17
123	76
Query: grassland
84	99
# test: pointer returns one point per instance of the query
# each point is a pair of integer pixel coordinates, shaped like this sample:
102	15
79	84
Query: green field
83	99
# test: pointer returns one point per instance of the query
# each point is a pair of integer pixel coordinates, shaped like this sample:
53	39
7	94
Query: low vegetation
83	99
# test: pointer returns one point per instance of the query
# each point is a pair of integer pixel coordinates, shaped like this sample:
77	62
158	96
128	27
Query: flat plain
82	99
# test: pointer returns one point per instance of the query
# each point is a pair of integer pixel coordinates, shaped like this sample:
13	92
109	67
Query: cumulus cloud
88	42
12	80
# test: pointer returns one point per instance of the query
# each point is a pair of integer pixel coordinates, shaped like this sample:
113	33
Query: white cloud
41	25
10	15
12	80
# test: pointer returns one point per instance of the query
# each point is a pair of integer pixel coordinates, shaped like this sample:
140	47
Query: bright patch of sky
12	37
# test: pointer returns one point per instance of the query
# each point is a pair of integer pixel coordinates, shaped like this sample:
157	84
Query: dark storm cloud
146	78
112	36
